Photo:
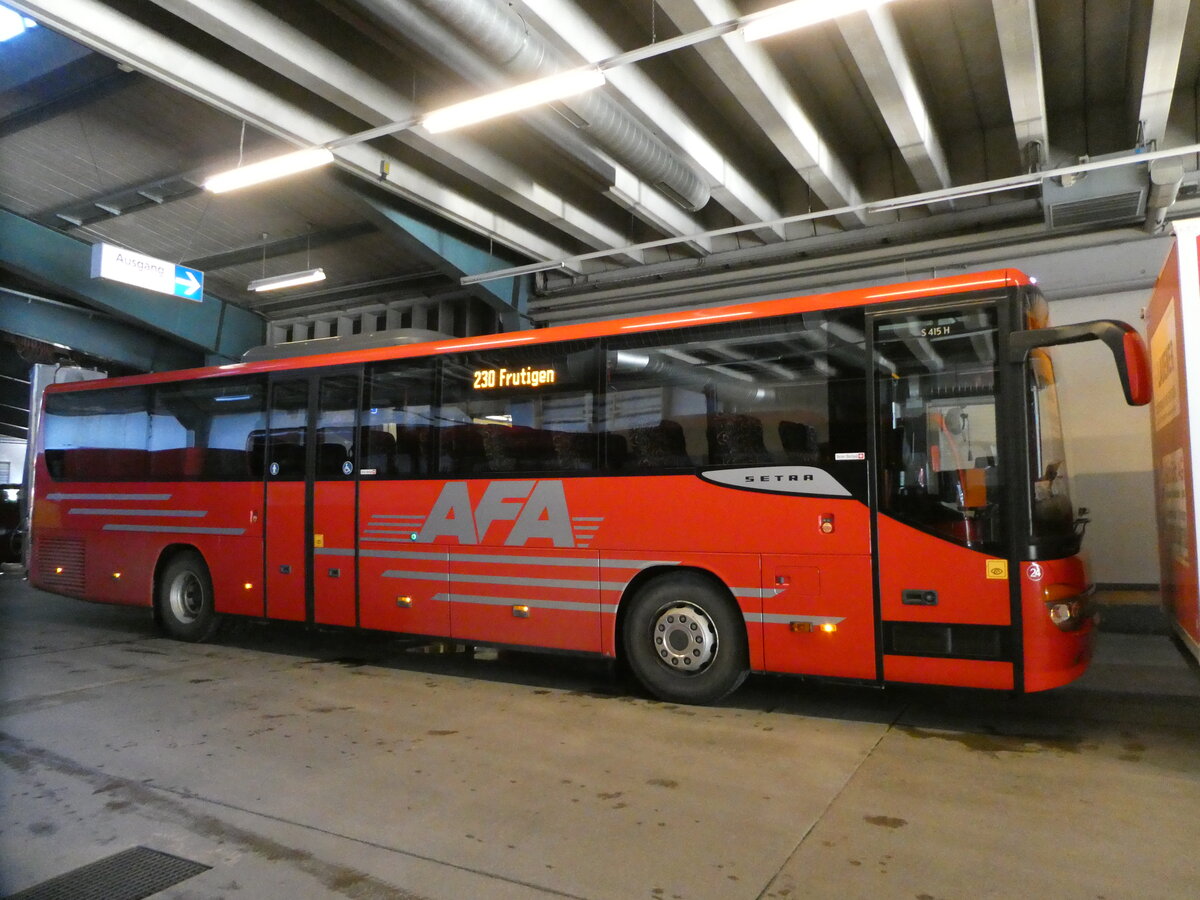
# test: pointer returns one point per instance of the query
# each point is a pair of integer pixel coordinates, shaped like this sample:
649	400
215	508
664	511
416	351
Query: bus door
311	550
945	607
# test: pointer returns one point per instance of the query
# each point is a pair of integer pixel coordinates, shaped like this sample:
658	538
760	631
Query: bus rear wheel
185	599
684	640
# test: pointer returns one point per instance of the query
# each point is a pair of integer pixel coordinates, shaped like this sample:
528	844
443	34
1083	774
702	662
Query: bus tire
684	640
185	599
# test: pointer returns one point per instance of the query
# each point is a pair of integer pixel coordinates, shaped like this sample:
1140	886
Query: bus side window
397	420
519	410
98	435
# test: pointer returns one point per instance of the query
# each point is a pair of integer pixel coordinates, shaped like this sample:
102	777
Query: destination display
527	376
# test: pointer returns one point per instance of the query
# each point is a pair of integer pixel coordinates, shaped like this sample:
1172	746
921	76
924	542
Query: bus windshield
1053	515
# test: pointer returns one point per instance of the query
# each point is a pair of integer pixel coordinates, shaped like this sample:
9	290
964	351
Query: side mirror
1125	344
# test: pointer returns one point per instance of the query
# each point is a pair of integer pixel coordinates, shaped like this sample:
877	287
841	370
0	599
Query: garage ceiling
720	169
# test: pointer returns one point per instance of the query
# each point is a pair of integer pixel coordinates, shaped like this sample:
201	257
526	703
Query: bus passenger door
311	549
946	611
334	499
286	525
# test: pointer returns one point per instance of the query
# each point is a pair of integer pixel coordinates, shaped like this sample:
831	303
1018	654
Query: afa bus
866	485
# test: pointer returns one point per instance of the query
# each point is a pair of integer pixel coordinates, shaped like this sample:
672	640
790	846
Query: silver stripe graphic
757	593
561	584
402	554
587	518
396	516
169	513
497	559
108	496
173	529
532	604
784	619
332	551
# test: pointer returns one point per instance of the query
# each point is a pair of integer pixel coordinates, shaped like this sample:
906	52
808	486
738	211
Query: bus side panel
971	588
403	583
530	597
971	673
233	548
1053	657
819	616
101	542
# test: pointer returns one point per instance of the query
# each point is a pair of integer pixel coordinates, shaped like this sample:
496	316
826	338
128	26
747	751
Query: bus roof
889	293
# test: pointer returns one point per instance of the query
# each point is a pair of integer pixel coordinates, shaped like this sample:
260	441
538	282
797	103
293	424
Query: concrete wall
1108	446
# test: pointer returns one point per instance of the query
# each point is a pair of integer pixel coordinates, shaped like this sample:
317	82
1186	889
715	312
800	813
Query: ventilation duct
501	35
1099	197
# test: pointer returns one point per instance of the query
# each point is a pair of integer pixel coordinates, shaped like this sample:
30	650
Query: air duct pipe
503	37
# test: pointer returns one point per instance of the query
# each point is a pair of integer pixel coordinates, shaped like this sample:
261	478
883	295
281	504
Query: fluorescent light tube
269	169
275	282
522	96
800	14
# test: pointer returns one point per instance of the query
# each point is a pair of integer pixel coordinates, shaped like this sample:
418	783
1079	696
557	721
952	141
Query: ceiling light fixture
269	169
292	279
514	99
756	26
799	14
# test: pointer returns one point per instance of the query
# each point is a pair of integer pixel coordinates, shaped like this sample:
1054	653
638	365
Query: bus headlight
1068	615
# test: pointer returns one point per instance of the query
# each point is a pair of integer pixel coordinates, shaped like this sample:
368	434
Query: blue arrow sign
118	264
189	283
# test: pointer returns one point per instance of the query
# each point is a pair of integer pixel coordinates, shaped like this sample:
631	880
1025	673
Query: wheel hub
685	639
187	597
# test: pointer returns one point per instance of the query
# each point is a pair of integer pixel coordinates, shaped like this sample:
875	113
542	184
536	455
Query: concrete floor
305	765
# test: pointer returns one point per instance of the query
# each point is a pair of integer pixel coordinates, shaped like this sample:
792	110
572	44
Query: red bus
866	485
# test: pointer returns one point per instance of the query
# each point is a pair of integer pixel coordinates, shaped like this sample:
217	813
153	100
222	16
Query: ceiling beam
93	333
453	257
633	194
99	26
273	42
1167	23
49	257
747	70
1020	51
879	53
280	247
731	188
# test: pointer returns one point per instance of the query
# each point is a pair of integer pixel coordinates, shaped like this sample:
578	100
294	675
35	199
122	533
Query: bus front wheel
684	640
185	599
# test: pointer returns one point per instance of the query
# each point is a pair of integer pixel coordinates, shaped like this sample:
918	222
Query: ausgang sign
127	267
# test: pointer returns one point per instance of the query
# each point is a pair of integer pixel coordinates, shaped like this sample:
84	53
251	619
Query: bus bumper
1060	622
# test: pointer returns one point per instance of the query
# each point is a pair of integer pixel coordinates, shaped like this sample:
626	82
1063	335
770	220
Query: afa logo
537	509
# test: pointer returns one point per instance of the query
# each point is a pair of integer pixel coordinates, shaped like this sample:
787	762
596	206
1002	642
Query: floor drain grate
129	875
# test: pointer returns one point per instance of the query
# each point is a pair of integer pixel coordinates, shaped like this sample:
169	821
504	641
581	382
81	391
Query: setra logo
537	509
